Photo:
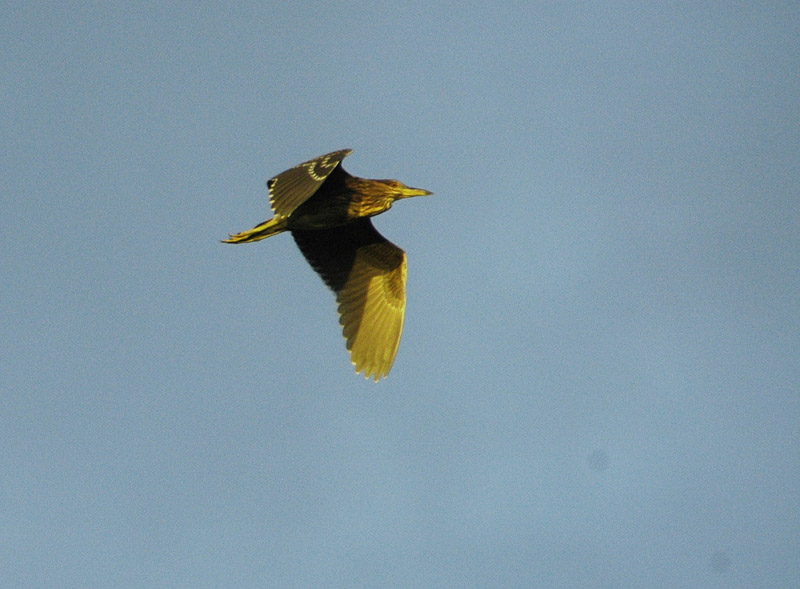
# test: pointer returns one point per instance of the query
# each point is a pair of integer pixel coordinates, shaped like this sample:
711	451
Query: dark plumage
328	213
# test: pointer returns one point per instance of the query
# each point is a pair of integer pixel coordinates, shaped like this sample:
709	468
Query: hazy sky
598	384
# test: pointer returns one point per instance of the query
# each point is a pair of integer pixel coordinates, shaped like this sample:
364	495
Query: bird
328	212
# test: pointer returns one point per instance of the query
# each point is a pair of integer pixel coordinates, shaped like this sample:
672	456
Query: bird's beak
407	191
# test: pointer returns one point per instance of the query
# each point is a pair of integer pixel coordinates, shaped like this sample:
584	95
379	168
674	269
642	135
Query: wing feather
368	274
289	189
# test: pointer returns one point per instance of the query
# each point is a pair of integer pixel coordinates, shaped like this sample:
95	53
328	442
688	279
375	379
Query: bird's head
399	190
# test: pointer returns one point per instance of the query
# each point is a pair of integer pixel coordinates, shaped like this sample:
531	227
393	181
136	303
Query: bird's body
327	211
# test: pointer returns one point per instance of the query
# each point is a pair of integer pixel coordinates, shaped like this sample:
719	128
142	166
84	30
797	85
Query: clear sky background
598	384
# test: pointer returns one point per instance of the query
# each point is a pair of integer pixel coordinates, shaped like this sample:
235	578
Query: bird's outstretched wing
368	274
291	188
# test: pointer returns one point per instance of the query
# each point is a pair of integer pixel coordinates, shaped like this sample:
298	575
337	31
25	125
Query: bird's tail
259	232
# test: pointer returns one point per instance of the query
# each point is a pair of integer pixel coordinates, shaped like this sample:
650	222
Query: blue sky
598	383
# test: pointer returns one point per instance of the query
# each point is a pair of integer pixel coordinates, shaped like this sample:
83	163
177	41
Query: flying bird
328	214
